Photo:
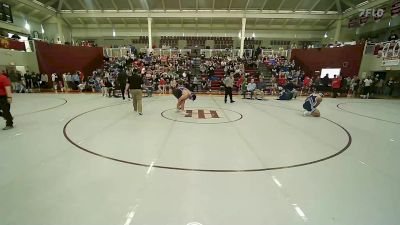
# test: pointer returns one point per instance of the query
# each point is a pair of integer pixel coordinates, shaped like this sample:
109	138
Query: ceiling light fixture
27	26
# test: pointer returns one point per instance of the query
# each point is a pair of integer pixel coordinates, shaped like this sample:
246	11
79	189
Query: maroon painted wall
315	59
53	58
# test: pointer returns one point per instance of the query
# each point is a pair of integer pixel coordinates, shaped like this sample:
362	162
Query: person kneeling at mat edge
311	103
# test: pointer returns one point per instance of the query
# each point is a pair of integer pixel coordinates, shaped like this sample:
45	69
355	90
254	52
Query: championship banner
363	20
379	15
12	44
353	23
396	8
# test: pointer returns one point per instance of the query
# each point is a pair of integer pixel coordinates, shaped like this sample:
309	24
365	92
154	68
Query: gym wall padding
54	58
348	58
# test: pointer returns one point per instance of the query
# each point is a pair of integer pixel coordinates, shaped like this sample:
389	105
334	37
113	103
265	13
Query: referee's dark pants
228	91
5	108
122	88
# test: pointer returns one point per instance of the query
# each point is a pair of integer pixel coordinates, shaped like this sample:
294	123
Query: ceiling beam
146	5
286	21
33	12
124	21
109	21
49	3
349	4
81	21
330	6
18	6
330	23
270	22
99	5
180	5
34	5
46	18
247	5
66	21
131	5
280	5
202	14
255	21
313	6
163	5
83	5
230	4
140	24
68	6
263	5
370	5
339	6
213	5
60	4
114	5
298	5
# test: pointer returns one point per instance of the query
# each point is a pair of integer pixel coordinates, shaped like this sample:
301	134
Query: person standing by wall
228	82
28	81
5	101
54	79
134	85
336	82
390	85
122	78
14	80
367	87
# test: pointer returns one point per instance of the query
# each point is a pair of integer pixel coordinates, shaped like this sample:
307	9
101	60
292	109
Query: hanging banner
363	20
12	44
396	8
354	22
379	14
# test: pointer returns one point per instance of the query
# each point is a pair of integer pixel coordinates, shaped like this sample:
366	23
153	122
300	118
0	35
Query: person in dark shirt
393	37
134	85
28	81
122	78
108	86
325	80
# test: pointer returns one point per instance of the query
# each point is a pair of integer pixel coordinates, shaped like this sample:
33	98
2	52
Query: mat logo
202	114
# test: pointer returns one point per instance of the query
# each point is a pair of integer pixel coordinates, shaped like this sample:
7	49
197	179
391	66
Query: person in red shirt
282	80
162	86
307	84
336	82
5	101
239	83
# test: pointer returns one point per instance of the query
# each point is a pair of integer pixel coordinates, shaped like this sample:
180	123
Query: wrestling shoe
8	127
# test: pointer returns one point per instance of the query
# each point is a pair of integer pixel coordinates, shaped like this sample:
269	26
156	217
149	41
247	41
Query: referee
228	82
135	87
5	100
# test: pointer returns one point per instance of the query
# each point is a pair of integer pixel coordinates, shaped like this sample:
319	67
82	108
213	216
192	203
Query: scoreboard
5	13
